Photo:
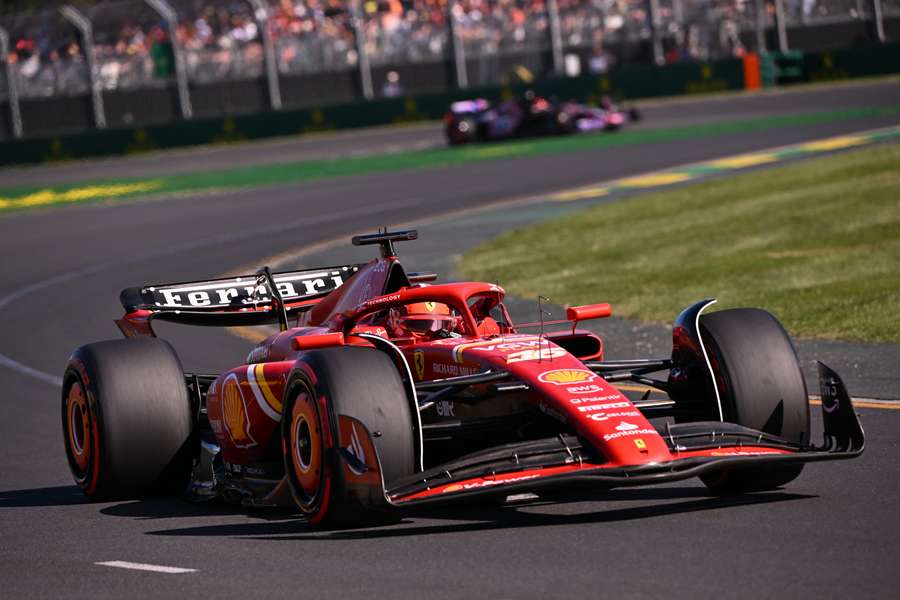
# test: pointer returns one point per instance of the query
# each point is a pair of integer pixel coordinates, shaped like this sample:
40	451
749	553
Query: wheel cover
78	425
306	450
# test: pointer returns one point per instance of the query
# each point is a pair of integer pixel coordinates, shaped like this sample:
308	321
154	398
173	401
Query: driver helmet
426	318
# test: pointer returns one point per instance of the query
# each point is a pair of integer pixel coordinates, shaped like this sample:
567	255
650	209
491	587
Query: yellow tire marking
592	192
91	192
742	161
653	180
835	143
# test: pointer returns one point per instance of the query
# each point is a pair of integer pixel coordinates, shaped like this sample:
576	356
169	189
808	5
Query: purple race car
529	115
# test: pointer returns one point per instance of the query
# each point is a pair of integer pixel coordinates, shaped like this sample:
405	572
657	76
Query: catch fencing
125	63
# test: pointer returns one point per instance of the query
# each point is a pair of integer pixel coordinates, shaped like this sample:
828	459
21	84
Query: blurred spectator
221	39
406	31
312	35
46	59
601	61
392	87
489	26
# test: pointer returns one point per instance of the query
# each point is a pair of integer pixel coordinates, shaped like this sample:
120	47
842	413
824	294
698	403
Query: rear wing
243	300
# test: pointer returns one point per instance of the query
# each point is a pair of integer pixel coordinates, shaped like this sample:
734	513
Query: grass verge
27	197
817	243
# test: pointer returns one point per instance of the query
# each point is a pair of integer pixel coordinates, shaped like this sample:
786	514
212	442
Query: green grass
817	243
16	198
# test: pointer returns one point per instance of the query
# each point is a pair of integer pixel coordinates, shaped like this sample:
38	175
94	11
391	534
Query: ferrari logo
429	306
641	444
419	361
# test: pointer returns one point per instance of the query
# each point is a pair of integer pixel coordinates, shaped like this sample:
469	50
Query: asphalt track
831	533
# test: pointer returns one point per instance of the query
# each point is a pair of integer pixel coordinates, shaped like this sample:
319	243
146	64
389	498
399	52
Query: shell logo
234	412
566	376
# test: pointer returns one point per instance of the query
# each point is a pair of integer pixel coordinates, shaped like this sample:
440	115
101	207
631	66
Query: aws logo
234	413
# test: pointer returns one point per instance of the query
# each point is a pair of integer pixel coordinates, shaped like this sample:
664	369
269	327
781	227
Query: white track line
30	372
122	564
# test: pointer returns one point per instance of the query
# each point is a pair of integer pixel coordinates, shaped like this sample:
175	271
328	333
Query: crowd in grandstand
222	39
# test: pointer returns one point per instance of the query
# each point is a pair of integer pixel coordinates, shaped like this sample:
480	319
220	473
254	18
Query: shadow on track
62	495
489	517
168	508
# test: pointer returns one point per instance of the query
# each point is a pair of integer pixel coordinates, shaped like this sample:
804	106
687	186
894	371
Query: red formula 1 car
384	390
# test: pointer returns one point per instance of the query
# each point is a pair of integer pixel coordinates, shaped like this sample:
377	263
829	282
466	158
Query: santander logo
625	426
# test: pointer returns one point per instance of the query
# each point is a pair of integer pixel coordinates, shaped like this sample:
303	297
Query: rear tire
355	382
761	386
127	419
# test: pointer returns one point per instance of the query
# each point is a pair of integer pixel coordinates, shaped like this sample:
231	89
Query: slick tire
566	123
462	131
127	419
326	386
761	386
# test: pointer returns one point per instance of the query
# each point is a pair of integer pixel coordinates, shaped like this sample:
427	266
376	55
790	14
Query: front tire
462	130
761	386
127	419
327	388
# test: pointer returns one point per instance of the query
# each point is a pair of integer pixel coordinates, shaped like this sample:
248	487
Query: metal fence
127	61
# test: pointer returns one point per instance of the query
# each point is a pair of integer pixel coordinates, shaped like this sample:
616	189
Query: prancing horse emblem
419	361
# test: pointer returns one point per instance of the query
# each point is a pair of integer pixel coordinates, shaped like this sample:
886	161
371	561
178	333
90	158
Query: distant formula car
384	391
529	115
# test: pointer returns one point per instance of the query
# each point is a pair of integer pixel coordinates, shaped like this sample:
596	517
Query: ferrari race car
383	390
529	115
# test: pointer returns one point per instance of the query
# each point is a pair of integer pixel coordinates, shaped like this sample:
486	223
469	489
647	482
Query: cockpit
426	313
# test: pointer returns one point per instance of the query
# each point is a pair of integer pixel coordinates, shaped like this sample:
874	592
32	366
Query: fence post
84	27
459	51
781	25
12	86
261	16
678	13
359	33
655	31
167	13
555	37
760	6
878	18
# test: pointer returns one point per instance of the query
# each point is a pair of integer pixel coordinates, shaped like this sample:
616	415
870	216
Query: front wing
698	448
